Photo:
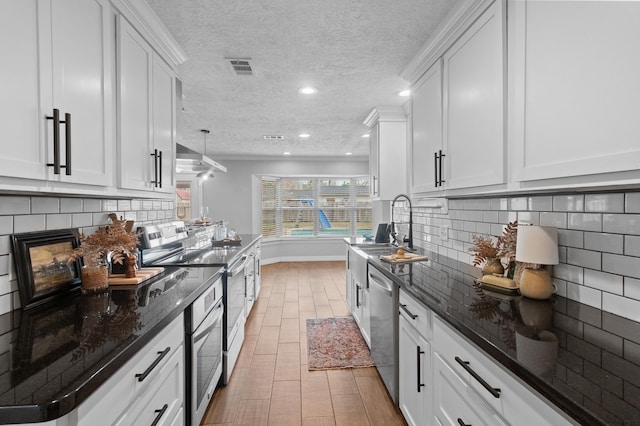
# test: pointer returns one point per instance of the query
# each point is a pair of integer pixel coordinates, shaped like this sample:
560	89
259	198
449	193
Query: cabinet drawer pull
159	176
357	296
465	364
435	169
418	353
67	144
142	376
440	180
56	141
462	423
160	414
408	312
155	168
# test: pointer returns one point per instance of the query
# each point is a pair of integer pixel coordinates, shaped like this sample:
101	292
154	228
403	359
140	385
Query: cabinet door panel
82	85
474	104
414	350
134	79
427	129
20	118
577	111
164	121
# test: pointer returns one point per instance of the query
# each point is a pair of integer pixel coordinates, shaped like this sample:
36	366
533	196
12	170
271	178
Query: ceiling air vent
241	66
273	137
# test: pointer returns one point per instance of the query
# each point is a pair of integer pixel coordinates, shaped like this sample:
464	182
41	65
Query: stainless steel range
173	244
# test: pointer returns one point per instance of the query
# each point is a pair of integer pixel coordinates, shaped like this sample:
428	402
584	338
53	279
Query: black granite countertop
53	357
211	255
595	377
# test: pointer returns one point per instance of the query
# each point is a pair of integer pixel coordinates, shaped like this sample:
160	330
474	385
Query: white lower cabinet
149	386
474	389
416	386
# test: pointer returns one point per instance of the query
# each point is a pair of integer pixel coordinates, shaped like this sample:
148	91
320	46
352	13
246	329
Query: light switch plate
444	233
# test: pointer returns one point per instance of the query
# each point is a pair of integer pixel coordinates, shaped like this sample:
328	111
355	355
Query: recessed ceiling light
404	93
304	135
308	90
349	153
286	153
366	135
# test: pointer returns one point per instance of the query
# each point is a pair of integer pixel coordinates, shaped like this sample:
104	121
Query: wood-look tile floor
271	384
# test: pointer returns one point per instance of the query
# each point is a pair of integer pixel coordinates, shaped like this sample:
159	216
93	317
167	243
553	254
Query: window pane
297	207
363	221
335	221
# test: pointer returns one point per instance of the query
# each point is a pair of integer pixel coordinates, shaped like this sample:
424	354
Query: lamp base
536	284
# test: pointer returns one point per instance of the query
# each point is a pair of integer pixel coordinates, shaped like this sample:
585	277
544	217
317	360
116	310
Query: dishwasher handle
237	266
382	284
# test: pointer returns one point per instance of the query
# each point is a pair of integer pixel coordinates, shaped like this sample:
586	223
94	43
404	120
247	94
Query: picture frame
42	265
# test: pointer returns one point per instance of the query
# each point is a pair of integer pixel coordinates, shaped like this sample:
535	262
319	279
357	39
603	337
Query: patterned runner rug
334	343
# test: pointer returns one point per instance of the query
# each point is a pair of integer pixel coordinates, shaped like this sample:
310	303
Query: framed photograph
43	267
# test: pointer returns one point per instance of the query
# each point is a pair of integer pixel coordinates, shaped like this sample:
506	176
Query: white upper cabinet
574	68
146	114
58	56
387	152
473	81
426	146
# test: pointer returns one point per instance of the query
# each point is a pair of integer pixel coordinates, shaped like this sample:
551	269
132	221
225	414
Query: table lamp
537	245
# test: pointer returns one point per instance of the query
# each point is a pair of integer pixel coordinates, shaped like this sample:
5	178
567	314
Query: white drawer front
418	315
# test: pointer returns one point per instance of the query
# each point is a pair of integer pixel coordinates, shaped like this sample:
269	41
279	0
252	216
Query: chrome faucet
406	239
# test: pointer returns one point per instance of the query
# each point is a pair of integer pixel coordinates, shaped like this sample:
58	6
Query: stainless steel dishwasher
383	295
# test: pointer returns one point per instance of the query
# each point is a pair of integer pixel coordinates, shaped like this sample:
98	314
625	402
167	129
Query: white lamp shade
537	244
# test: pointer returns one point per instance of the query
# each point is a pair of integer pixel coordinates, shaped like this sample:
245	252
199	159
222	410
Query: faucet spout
393	233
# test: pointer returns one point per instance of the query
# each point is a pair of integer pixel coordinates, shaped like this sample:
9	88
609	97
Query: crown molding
385	113
146	22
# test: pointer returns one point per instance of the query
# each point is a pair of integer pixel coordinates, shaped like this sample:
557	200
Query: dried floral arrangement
485	248
116	240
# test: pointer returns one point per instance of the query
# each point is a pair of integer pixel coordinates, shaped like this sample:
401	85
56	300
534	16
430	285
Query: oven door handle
207	325
233	269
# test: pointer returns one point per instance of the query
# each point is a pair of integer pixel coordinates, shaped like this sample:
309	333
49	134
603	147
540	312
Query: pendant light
207	174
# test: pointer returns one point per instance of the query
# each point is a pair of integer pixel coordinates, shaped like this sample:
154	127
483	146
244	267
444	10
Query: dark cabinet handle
440	180
465	364
67	144
462	423
154	364
160	414
435	169
418	353
155	180
160	169
357	296
56	142
408	312
375	179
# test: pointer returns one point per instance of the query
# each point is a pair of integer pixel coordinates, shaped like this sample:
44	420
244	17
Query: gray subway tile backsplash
598	235
31	214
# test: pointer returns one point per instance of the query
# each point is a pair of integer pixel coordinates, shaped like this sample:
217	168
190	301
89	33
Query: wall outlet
444	233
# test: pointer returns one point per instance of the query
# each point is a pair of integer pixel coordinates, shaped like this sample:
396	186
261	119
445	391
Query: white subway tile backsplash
91	205
489	216
609	243
5	244
5	304
100	218
632	202
568	203
529	218
519	203
603	281
613	203
622	265
4	264
506	217
556	220
632	245
541	203
147	204
499	203
14	205
156	205
5	285
45	205
570	238
109	206
70	205
584	258
632	288
58	221
561	287
586	295
574	274
621	223
28	223
124	205
6	224
585	221
483	228
81	220
621	306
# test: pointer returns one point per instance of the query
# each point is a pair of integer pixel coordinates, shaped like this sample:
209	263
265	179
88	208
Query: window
315	206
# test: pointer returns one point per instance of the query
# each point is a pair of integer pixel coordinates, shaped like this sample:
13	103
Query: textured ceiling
352	51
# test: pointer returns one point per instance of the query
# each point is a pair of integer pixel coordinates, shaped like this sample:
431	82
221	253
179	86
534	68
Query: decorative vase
493	266
95	278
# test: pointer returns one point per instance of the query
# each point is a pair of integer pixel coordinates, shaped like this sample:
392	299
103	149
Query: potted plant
115	242
489	251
